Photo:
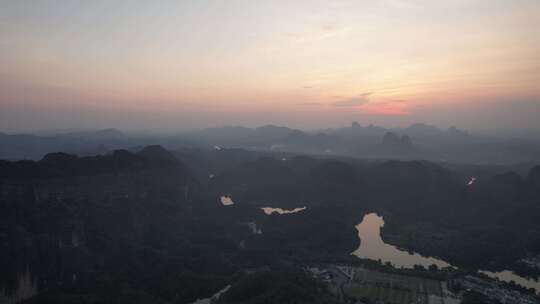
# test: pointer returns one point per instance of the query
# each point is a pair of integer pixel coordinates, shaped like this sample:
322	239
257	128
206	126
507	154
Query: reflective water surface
213	298
373	247
226	200
509	276
270	210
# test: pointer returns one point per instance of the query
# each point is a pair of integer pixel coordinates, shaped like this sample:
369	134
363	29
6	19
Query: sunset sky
189	64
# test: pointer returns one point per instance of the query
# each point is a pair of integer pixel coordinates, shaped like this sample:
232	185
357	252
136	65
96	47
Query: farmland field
391	288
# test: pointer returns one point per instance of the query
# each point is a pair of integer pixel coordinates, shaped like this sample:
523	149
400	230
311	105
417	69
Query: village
357	284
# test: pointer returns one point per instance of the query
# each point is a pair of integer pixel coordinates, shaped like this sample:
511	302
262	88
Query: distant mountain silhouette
61	164
534	177
157	153
417	141
420	129
110	133
395	144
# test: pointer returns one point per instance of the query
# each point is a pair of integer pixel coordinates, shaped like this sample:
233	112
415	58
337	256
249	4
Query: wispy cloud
388	108
399	4
355	101
385	107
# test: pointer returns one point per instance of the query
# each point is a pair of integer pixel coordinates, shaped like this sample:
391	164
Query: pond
226	200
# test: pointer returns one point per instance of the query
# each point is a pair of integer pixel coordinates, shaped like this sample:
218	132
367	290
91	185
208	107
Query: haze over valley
261	152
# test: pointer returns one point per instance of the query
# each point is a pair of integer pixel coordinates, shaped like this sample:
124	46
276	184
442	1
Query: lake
373	247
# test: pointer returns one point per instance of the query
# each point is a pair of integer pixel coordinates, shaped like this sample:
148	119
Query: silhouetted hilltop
417	141
61	164
534	177
273	133
395	144
457	133
104	134
323	142
27	146
421	129
158	154
59	158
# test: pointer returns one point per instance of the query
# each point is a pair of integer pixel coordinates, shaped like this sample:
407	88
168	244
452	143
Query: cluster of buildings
493	290
533	262
361	285
320	274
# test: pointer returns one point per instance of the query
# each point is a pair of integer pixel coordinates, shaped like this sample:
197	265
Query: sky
176	65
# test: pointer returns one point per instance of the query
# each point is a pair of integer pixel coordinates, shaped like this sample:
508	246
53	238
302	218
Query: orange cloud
386	107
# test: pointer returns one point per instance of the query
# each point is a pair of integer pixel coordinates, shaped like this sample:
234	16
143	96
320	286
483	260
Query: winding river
270	210
509	276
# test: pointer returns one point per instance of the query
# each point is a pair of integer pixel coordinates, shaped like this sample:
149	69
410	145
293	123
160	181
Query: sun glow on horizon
377	59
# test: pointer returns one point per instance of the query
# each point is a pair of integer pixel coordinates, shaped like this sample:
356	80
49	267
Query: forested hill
149	226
